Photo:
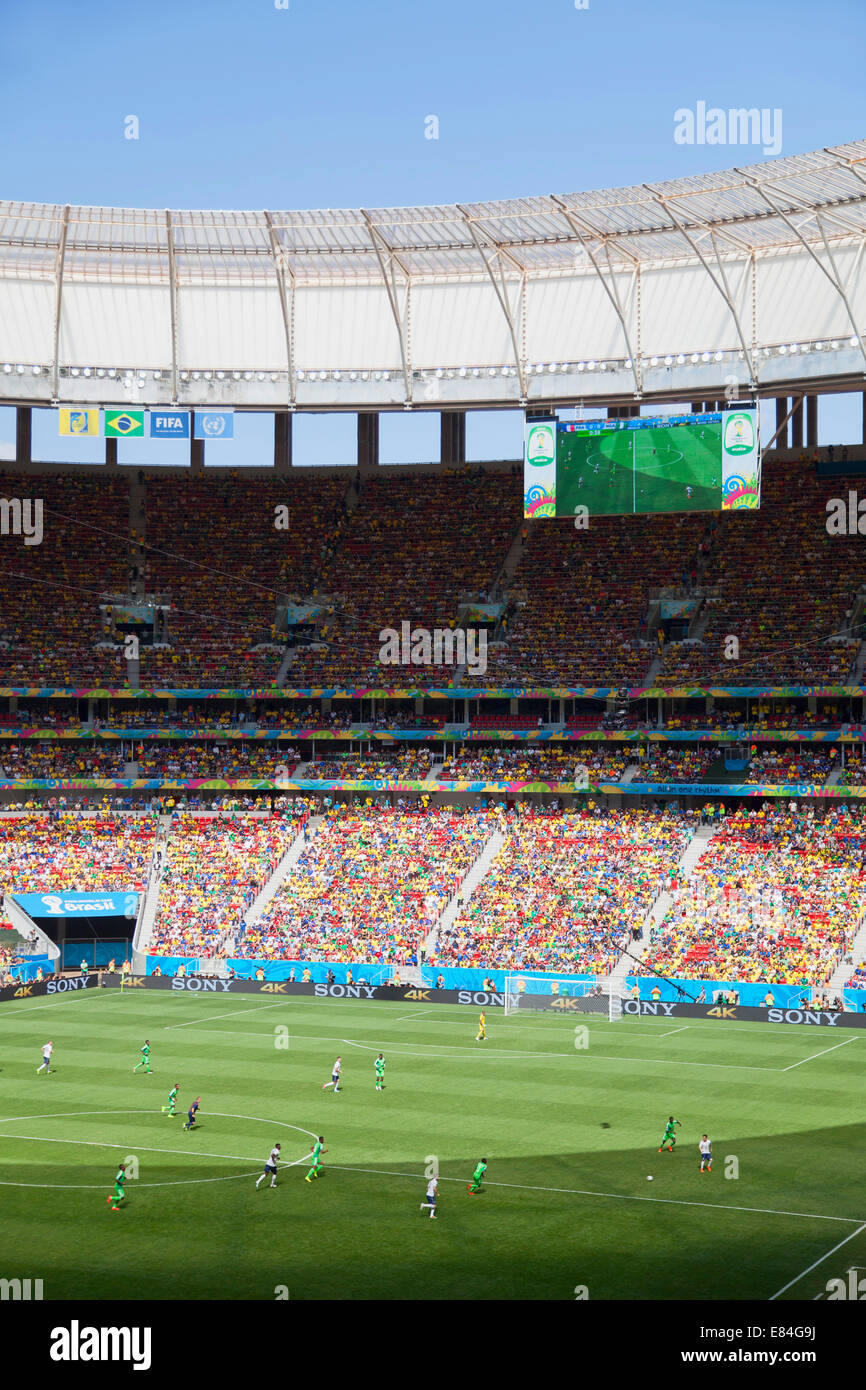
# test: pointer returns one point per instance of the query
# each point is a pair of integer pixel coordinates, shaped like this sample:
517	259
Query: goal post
553	994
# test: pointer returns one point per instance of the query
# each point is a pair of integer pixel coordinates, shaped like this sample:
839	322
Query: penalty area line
588	1054
819	1054
814	1265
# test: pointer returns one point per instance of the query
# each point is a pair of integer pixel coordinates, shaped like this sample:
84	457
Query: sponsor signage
409	994
816	1018
57	984
666	1008
426	994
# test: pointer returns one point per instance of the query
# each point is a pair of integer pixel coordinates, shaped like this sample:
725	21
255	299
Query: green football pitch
627	471
570	1133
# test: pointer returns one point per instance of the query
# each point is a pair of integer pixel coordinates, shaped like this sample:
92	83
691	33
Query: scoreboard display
678	463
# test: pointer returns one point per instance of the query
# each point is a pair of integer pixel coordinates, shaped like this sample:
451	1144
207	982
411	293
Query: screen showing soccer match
679	463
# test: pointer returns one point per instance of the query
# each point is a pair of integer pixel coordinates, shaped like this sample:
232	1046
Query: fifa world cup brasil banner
741	470
539	469
643	466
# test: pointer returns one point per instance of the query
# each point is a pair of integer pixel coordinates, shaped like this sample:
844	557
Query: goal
213	966
554	995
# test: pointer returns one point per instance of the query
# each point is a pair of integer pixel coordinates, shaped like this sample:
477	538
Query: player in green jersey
670	1137
316	1150
379	1066
145	1057
119	1194
172	1098
475	1186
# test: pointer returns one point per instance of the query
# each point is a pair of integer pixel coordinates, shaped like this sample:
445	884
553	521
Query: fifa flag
169	424
124	424
78	422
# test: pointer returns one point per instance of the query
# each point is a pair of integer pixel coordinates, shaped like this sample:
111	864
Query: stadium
479	941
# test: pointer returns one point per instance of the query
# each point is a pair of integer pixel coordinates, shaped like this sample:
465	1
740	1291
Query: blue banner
214	424
652	988
78	904
169	424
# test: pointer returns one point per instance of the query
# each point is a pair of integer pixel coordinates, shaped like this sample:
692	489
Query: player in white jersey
47	1050
706	1150
431	1198
270	1166
335	1076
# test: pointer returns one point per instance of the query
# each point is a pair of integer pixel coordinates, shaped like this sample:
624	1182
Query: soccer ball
649	1177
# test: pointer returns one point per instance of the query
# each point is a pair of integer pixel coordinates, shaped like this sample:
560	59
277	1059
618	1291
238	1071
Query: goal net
552	994
213	966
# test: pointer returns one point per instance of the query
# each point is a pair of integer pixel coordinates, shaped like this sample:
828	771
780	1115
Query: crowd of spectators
211	872
59	850
411	764
660	763
556	763
565	891
585	596
214	545
371	885
784	586
776	897
853	773
50	593
230	761
39	759
413	548
576	613
773	765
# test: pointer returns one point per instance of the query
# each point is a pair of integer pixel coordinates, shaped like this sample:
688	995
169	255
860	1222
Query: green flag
124	424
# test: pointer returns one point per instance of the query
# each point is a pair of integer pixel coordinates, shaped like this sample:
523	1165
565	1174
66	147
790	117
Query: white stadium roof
749	279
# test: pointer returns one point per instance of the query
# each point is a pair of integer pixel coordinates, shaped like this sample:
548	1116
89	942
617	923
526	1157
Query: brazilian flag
124	424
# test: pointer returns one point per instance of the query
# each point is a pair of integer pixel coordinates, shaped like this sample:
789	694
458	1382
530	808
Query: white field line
32	1009
251	1009
815	1264
143	1148
819	1054
494	1052
140	1148
621	1197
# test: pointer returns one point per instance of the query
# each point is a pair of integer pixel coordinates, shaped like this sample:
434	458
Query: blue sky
324	104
